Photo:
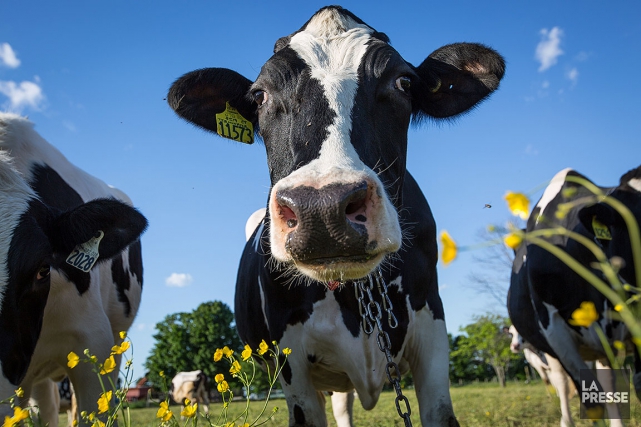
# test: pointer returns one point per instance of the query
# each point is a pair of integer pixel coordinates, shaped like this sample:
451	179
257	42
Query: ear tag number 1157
85	255
231	124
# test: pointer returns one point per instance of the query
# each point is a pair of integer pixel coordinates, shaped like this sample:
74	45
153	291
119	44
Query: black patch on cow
24	297
294	122
311	358
52	189
121	279
135	261
299	415
286	372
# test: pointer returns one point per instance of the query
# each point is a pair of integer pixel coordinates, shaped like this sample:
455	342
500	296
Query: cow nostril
288	215
355	210
291	223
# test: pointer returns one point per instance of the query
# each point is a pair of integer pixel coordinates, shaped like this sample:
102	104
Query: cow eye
43	273
260	97
403	84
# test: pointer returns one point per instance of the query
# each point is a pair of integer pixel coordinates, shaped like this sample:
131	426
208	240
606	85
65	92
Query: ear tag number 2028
85	255
231	124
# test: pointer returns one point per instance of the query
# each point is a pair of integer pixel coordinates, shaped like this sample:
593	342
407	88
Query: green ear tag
230	124
600	230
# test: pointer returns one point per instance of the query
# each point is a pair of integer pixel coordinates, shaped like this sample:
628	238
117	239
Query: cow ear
120	223
455	78
598	220
198	96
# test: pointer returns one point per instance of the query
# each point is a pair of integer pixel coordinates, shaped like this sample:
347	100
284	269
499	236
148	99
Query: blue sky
93	75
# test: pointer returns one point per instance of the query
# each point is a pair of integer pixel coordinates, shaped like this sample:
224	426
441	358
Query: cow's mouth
339	268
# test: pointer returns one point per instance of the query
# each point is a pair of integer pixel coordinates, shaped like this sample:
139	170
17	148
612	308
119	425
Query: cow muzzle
333	232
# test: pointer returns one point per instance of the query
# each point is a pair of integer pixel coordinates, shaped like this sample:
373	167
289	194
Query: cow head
35	238
609	228
333	106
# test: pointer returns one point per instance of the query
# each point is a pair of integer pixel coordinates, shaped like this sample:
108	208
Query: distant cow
551	372
52	301
333	106
192	385
544	291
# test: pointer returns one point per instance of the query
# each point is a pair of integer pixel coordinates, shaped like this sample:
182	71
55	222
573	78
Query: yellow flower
20	392
262	347
247	352
103	402
584	315
245	425
287	351
449	248
120	349
190	411
98	423
72	360
235	368
162	374
518	203
218	355
636	341
108	366
219	378
93	359
618	307
618	345
227	351
18	415
163	412
222	386
123	335
512	240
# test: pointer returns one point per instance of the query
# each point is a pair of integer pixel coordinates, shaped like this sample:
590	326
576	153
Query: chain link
371	313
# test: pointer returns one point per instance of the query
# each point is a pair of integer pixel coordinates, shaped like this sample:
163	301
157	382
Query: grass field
517	405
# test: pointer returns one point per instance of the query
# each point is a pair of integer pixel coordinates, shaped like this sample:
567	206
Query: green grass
517	405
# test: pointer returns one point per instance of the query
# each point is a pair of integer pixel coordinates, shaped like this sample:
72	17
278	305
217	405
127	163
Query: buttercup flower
287	351
219	378
584	315
227	351
190	411
120	349
123	335
235	368
98	423
162	374
247	352
108	366
19	414
222	386
512	240
518	203
618	345
103	402
164	413
20	392
262	347
449	248
72	360
618	307
218	354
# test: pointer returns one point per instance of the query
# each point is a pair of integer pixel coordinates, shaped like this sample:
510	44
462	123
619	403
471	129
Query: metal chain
371	313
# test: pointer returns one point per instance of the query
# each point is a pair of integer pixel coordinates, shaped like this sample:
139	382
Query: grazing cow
551	372
192	385
545	292
53	219
333	106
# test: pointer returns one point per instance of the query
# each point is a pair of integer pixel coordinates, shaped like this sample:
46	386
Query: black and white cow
333	106
194	386
49	307
544	291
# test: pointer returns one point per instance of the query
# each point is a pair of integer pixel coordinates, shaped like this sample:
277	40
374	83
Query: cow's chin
339	269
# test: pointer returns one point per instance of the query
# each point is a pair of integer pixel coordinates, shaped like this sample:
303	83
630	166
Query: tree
484	341
187	341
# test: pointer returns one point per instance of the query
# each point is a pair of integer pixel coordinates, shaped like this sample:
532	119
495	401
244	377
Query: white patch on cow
635	183
552	190
333	45
252	222
262	300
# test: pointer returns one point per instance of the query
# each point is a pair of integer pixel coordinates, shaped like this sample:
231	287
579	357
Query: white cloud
545	84
548	50
573	75
179	280
531	151
8	57
25	94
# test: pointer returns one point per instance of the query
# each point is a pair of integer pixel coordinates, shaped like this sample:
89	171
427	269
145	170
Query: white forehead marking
14	200
635	183
333	46
553	188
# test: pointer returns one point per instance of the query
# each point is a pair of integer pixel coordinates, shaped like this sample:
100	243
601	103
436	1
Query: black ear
456	77
198	96
598	219
120	223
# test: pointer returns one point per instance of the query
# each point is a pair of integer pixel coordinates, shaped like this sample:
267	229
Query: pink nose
515	347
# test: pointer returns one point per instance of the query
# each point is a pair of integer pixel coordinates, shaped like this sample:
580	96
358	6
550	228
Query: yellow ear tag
85	255
600	230
230	124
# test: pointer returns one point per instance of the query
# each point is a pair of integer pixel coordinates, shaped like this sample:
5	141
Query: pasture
475	405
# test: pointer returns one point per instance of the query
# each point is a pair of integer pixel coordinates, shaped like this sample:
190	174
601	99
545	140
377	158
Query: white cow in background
192	385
